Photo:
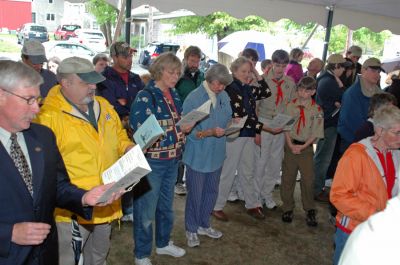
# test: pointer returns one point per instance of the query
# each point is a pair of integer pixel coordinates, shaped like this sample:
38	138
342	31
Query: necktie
279	92
20	162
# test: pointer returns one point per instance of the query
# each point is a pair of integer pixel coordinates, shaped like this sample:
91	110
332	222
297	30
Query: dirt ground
245	241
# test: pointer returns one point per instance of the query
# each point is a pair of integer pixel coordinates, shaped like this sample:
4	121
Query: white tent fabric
376	15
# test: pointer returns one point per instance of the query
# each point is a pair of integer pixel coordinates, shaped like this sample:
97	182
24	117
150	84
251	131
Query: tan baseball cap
81	67
35	51
373	63
338	59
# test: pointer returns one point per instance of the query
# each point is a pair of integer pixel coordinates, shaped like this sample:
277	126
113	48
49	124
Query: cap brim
91	77
377	68
37	59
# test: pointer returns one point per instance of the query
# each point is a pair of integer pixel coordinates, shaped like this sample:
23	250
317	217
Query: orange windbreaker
359	188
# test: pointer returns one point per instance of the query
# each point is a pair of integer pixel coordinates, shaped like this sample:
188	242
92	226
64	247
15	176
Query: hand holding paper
126	172
196	115
148	133
92	196
235	125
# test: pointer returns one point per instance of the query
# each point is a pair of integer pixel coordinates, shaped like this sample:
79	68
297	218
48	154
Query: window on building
50	1
50	17
33	17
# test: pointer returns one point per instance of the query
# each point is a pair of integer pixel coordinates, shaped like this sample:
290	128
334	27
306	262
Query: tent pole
328	31
128	21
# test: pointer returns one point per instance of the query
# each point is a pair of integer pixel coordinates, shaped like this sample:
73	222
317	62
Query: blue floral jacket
149	101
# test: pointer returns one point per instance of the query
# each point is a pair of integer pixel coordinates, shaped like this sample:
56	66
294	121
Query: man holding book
91	138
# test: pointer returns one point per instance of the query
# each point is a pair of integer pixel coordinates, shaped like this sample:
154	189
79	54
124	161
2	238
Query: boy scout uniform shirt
276	103
309	120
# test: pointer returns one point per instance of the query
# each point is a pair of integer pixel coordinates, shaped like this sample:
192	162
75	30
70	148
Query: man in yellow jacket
90	138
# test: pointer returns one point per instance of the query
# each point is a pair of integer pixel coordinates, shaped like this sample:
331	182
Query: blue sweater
208	154
354	111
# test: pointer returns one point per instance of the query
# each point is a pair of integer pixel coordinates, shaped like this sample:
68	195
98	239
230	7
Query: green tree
222	24
371	42
337	42
105	14
218	23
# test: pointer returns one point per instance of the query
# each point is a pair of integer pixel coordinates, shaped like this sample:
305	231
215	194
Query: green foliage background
222	24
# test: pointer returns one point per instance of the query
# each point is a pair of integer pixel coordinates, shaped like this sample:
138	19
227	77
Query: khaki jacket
309	125
269	107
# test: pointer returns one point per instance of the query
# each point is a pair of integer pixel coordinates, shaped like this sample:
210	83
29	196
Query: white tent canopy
376	15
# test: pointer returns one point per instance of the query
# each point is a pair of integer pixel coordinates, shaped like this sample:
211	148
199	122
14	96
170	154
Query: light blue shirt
208	154
5	140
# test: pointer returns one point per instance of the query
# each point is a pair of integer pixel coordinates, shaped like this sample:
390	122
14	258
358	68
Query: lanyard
388	169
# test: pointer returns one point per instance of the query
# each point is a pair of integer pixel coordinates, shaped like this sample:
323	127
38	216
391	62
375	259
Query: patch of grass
8	43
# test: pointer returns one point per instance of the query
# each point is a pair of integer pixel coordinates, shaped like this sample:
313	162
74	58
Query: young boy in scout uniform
309	127
269	159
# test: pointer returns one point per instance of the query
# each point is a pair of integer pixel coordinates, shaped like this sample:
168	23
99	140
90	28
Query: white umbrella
236	42
389	65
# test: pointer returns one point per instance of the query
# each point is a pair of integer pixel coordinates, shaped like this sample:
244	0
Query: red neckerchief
388	169
302	119
279	93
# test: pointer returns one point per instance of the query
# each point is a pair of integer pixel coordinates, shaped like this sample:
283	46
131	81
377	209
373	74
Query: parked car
31	31
154	49
91	38
64	32
66	49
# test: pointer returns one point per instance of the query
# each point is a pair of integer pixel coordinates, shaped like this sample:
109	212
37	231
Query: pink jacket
295	71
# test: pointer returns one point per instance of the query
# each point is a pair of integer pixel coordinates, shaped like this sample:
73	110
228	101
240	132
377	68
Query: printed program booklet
196	115
281	121
126	172
234	127
148	133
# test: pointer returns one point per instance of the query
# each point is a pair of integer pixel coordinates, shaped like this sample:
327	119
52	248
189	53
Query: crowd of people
61	127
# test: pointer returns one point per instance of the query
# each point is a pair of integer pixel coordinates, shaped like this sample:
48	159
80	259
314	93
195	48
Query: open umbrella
236	42
390	65
262	42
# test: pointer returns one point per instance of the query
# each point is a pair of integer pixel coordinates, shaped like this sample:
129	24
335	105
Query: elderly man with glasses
33	177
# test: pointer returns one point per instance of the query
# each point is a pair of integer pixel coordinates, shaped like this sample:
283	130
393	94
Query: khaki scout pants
291	164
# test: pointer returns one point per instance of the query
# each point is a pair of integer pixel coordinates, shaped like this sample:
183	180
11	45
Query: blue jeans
156	204
340	241
322	158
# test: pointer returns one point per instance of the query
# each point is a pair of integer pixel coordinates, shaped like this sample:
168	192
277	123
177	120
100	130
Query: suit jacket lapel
36	156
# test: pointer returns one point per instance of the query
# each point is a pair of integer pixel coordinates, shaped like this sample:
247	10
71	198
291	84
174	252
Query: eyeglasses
394	132
29	100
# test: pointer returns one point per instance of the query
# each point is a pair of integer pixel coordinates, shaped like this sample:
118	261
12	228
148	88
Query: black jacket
51	188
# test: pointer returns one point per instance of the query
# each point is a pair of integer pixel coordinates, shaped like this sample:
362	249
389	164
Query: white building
52	13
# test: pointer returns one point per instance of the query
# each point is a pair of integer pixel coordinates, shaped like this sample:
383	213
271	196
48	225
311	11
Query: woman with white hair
367	176
205	153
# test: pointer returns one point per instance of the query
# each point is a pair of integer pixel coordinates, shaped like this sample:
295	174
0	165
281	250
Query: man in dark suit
33	178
